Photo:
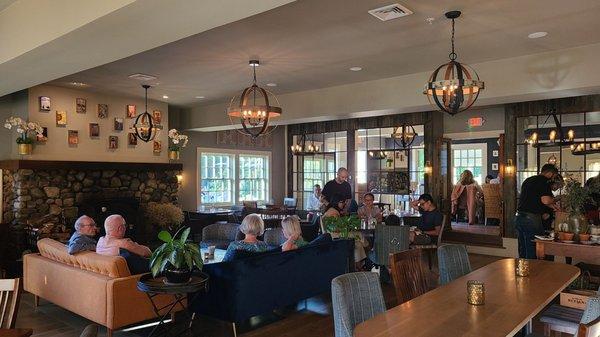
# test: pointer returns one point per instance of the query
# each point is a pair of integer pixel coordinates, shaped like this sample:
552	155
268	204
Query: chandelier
253	109
405	134
556	137
301	149
377	155
144	127
585	148
453	87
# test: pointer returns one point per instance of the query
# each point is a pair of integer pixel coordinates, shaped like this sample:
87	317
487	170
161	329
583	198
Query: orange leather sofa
99	288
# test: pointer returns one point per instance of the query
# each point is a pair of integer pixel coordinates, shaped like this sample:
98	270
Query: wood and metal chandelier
404	135
254	108
144	127
301	149
453	87
556	136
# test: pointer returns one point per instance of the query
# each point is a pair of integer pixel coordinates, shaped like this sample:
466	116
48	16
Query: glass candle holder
522	267
475	292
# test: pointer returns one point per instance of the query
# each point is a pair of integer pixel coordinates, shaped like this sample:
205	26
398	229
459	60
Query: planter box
576	298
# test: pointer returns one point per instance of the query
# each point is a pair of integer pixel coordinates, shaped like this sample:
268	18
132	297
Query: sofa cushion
242	254
136	264
112	266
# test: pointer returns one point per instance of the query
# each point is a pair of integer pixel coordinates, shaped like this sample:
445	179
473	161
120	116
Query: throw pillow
136	264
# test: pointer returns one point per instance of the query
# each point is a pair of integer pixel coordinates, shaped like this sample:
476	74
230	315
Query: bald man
83	238
115	228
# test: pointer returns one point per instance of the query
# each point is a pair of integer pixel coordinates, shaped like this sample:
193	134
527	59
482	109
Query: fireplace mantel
14	165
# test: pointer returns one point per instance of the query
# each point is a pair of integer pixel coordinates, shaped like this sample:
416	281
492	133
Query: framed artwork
94	130
73	137
102	110
495	153
494	166
44	103
131	139
156	117
157	146
113	142
43	137
61	118
80	105
130	111
118	124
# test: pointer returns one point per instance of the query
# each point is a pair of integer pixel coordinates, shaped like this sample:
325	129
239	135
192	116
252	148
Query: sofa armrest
127	305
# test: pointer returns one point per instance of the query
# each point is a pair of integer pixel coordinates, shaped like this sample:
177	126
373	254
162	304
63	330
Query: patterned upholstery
389	240
356	297
90	331
592	310
274	237
219	234
453	262
567	319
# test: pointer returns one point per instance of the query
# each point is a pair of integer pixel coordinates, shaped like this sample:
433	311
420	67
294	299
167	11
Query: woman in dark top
431	220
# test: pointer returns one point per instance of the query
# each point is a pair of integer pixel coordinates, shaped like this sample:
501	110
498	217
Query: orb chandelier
405	134
556	137
301	149
453	87
253	109
144	127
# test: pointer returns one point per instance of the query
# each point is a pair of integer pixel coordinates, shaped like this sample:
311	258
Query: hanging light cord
452	55
146	98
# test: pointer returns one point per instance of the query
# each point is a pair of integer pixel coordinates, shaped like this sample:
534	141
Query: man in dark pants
340	186
536	195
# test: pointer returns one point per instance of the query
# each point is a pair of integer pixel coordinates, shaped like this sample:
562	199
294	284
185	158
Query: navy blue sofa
256	285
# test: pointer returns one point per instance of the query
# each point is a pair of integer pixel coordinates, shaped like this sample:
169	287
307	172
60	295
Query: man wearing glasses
83	238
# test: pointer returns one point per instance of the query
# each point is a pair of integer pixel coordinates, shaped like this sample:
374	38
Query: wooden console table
585	253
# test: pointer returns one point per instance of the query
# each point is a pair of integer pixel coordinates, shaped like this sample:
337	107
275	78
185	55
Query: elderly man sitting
83	238
115	239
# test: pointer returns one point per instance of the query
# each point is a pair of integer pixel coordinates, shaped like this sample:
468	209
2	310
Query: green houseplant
574	200
175	258
343	224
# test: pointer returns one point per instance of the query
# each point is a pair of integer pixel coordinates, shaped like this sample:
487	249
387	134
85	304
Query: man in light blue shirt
314	200
83	238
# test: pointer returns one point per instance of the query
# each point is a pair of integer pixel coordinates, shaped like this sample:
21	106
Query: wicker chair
219	235
453	262
493	203
356	297
408	274
389	240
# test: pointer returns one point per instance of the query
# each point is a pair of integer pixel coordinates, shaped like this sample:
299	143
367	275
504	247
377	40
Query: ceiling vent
390	12
142	77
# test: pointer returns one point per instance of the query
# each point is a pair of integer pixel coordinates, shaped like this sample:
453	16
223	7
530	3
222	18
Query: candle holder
522	267
475	292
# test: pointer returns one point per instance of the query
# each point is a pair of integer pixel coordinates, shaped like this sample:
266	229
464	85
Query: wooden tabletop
510	302
16	332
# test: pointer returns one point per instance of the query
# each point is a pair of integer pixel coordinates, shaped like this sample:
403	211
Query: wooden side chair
408	274
431	248
568	320
10	291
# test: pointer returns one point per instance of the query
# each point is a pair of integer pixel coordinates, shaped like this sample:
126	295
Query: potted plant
342	225
574	199
27	132
165	216
178	142
564	232
175	258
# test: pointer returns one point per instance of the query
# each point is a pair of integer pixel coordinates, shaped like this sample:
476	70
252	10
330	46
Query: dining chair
356	297
564	319
408	274
389	240
591	329
10	291
432	247
274	236
492	202
90	331
453	262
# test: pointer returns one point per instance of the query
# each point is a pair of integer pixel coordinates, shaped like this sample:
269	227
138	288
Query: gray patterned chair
90	331
453	262
567	320
219	235
356	297
388	240
274	237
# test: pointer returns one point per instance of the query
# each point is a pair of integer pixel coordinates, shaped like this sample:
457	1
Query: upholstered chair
90	331
389	240
453	262
567	320
219	235
356	297
274	237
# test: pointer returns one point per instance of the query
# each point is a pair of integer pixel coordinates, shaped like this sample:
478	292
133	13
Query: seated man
115	239
83	238
431	220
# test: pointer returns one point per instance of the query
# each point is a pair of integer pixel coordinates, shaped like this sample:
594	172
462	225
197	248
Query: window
228	177
469	157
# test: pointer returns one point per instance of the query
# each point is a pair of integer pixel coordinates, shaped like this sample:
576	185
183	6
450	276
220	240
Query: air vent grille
390	12
142	77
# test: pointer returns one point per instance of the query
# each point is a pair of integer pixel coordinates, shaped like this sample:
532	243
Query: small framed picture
130	111
157	146
94	130
80	105
131	139
102	110
156	117
73	137
494	166
113	142
44	103
118	124
42	138
495	153
61	118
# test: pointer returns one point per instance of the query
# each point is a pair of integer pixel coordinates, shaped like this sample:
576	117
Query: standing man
536	195
339	186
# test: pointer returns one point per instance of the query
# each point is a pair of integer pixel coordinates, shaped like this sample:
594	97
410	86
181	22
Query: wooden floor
48	320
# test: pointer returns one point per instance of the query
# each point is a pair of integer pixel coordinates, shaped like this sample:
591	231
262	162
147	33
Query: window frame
236	174
470	146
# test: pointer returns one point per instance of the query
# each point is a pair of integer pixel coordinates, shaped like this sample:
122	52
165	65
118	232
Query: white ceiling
6	3
310	44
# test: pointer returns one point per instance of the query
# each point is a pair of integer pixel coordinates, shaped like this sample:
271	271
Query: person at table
536	195
465	196
83	238
293	233
489	179
115	239
368	210
252	226
339	186
314	200
430	222
549	215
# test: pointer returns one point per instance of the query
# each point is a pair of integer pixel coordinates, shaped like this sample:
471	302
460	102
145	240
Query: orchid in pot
27	132
178	142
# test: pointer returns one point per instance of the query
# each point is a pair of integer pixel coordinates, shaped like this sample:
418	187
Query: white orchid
23	128
179	141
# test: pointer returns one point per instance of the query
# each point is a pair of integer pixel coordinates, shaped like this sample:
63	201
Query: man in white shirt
115	229
314	200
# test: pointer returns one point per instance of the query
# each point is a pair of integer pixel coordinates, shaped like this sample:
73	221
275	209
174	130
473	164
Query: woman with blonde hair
252	226
465	196
293	233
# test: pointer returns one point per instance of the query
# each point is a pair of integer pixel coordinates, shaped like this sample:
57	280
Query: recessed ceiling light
78	84
537	35
355	69
165	97
200	97
271	84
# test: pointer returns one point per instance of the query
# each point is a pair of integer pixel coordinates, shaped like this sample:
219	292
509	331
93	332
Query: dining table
511	302
16	332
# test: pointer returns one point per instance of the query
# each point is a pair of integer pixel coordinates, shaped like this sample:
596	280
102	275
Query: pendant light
453	87
253	109
405	134
144	127
556	136
301	149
